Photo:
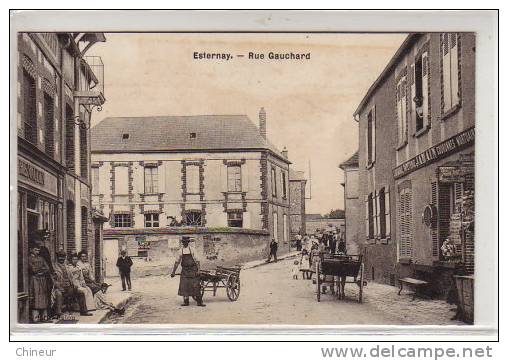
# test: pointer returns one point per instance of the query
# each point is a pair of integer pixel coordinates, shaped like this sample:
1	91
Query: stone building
351	203
416	160
297	183
215	177
58	87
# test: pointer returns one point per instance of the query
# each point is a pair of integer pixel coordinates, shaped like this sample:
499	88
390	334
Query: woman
189	277
87	272
39	272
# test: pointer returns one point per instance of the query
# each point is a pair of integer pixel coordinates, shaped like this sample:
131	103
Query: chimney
262	122
285	153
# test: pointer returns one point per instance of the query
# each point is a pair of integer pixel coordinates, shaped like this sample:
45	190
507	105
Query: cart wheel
360	296
202	286
233	288
318	283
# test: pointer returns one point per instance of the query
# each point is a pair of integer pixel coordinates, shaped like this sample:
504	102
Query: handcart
221	277
349	269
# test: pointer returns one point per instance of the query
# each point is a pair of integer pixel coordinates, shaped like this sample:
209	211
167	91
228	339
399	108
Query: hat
105	285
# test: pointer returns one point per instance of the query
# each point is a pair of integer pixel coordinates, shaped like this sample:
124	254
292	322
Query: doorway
110	257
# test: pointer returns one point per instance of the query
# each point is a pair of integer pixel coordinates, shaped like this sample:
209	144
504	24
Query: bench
416	284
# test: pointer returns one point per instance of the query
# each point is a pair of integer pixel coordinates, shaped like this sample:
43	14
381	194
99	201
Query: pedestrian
84	264
39	295
295	269
78	281
273	251
298	242
124	264
305	265
189	277
333	242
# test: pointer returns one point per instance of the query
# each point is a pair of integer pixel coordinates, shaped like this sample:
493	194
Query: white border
483	23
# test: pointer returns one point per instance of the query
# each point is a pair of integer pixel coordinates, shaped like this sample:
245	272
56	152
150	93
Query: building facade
58	87
297	183
351	203
416	161
214	177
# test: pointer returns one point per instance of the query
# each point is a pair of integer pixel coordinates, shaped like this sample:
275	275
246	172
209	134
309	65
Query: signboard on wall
456	229
451	174
37	177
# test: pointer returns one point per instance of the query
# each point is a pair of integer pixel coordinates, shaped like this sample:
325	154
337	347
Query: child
296	269
305	265
102	303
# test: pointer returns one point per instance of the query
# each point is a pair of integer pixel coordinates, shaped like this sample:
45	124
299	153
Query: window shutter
367	217
367	144
411	96
387	212
161	177
244	176
403	104
454	70
443	199
399	113
377	232
374	133
446	72
434	231
425	88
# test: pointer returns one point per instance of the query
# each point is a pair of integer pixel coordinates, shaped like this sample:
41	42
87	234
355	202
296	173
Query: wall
324	223
297	207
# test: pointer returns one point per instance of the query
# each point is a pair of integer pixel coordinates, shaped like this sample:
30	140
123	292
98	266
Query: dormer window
192	135
125	136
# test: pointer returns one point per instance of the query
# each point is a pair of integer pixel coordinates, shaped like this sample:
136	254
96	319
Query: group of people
64	283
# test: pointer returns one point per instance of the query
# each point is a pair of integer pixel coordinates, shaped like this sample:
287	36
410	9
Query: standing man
124	264
189	277
273	251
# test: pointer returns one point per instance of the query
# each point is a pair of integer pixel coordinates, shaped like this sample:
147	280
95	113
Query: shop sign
436	152
451	174
37	177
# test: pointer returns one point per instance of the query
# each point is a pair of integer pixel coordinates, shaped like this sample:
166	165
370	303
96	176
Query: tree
336	213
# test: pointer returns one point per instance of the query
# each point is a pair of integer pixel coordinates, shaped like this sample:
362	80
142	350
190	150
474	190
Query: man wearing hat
189	277
124	264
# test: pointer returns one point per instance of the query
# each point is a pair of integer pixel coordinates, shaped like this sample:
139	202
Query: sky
309	103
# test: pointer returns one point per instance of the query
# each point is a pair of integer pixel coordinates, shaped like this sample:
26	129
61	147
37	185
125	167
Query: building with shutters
416	161
215	177
58	86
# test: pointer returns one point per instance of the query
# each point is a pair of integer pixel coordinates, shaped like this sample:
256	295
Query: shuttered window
371	136
369	212
49	125
83	151
450	71
401	96
434	226
69	137
29	108
421	99
234	178
406	223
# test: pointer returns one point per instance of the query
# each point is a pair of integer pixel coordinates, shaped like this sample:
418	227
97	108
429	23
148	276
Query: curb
254	264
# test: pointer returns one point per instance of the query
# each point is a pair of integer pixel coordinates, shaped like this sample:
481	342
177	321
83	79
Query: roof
310	216
410	39
296	175
351	162
178	133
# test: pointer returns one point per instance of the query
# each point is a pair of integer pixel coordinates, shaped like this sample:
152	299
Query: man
333	242
273	251
124	264
84	294
102	303
64	288
189	277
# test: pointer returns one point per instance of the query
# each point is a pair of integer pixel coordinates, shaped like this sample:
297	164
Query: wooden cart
221	277
340	266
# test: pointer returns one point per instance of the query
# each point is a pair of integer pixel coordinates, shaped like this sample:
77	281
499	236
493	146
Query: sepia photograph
244	178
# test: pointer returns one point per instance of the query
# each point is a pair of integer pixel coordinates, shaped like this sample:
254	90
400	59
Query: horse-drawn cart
221	277
335	270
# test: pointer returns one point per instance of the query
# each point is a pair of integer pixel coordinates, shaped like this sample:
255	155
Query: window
235	219
421	92
69	137
371	137
283	180
122	220
125	136
383	213
369	216
406	223
151	220
275	227
83	151
121	180
274	183
143	246
450	71
151	180
95	180
401	95
192	135
234	178
84	229
192	179
29	108
285	229
49	124
194	218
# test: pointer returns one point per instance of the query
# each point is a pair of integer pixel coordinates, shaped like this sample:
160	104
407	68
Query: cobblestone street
269	295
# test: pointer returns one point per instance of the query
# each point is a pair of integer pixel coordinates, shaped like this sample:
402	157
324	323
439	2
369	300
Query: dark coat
124	264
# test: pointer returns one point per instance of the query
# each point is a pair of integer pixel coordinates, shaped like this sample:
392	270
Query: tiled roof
296	175
178	133
351	162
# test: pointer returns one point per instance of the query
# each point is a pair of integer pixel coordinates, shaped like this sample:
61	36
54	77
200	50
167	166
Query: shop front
39	213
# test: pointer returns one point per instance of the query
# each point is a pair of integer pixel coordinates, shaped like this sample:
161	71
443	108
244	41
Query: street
269	295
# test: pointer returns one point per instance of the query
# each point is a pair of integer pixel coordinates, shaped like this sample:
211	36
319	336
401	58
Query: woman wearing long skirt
189	277
39	271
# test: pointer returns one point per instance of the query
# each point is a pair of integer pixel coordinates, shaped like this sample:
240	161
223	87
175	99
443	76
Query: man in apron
189	277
